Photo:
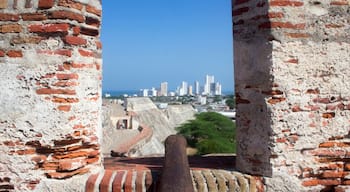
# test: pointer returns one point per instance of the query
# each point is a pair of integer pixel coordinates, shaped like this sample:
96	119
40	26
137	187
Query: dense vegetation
210	132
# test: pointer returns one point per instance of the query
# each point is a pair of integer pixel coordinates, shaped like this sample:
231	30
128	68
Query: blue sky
146	42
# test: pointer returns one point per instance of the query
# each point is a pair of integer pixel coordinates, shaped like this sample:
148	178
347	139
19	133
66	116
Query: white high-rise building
190	90
164	89
152	92
217	89
196	88
209	80
183	89
144	92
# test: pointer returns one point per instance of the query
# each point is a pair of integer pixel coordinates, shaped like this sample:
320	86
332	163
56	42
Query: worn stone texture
292	89
50	122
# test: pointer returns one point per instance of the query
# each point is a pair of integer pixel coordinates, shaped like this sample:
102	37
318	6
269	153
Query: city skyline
209	87
147	42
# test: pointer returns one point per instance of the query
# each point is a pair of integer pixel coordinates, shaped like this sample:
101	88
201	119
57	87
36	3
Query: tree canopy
210	132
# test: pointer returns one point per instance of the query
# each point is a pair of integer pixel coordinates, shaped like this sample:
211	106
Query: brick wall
50	59
293	93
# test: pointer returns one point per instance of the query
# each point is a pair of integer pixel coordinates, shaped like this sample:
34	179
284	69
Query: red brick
148	180
32	184
71	155
139	181
70	4
10	28
93	10
118	179
329	182
332	174
341	2
328	144
69	76
64	108
240	11
273	92
332	166
128	185
104	184
92	21
73	40
50	28
347	166
86	53
65	175
33	17
270	15
275	15
313	91
9	143
2	53
8	17
296	108
92	160
65	84
47	165
281	140
62	52
328	115
46	4
26	151
322	100
286	25
71	164
309	183
65	100
323	152
286	3
76	30
67	15
14	53
276	100
23	40
298	35
89	31
46	91
90	183
332	25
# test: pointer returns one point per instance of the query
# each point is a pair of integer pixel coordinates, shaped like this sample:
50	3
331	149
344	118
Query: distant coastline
116	93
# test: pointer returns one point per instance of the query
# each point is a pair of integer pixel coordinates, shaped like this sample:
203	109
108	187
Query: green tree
230	102
210	132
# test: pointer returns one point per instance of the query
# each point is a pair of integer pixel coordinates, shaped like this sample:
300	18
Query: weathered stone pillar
293	92
50	98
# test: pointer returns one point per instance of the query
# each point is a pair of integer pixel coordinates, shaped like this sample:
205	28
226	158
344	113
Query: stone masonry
293	93
292	86
50	58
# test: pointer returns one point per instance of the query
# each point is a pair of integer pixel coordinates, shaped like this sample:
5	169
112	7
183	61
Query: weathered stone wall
50	58
293	92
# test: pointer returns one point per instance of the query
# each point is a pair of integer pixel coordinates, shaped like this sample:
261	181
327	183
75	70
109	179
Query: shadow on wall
254	85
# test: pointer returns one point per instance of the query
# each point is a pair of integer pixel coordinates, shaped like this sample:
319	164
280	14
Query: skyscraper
196	88
183	89
164	89
209	80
